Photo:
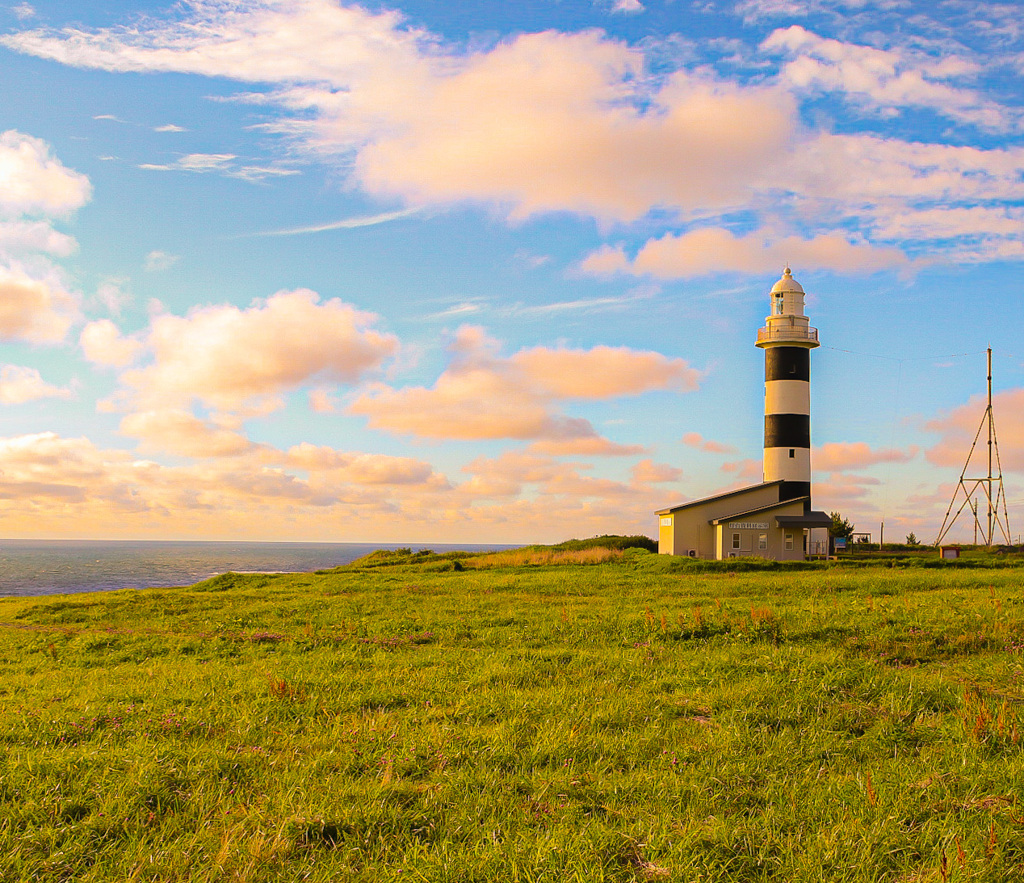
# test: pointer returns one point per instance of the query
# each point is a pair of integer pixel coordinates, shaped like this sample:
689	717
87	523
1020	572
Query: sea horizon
30	567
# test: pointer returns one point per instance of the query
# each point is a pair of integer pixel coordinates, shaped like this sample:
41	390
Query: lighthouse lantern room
772	519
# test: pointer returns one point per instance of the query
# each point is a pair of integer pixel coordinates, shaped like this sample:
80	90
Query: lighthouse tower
773	519
787	340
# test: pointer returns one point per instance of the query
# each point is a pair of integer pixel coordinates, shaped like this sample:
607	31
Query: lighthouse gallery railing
787	334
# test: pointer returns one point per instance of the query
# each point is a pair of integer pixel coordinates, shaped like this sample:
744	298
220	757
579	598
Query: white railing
787	334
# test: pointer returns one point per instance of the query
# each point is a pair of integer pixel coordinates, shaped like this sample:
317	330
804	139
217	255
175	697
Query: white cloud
628	6
19	384
582	305
345	224
32	182
169	127
979	222
34	304
250	40
26	237
543	122
883	79
157	261
113	294
195	162
223	164
578	122
261	173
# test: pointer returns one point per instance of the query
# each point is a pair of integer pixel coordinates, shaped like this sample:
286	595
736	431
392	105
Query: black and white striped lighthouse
787	340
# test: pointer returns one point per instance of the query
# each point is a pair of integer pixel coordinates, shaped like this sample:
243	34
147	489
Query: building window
735	540
789	542
762	541
792	454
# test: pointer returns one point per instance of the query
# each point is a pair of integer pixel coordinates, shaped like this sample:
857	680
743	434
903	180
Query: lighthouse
772	519
787	340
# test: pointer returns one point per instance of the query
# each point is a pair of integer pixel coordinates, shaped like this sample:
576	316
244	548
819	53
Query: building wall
749	536
690	529
666	535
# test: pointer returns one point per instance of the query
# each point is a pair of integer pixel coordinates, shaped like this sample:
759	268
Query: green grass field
421	718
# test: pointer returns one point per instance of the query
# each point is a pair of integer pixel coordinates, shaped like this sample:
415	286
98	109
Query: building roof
763	510
787	284
711	499
808	519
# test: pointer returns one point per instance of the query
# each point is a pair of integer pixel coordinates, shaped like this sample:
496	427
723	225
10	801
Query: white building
773	519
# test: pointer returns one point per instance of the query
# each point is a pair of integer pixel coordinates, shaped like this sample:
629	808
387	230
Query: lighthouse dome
787	284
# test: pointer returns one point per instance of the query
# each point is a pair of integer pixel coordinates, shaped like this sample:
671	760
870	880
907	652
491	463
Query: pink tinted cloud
362	468
957	431
467	403
847	494
321	402
33	309
745	469
67	487
714	250
20	384
586	446
577	122
840	456
244	360
103	344
696	440
179	432
649	472
482	395
550	121
603	372
540	122
513	473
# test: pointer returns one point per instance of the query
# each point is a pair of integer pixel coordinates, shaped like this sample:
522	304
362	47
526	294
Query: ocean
49	567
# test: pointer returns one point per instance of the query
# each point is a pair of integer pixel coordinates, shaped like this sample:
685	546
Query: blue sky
492	272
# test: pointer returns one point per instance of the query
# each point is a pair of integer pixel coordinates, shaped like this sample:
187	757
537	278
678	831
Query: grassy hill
639	718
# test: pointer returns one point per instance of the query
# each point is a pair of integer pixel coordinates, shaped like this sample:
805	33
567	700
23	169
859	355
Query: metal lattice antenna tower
969	486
